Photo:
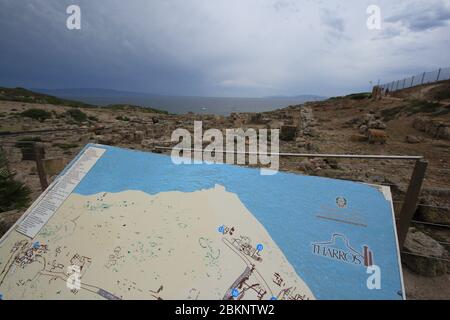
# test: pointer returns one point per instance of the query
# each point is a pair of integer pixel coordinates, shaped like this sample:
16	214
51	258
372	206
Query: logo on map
341	202
339	249
342	213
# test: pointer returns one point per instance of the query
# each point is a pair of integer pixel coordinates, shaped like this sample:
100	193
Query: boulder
412	139
422	254
104	139
363	129
307	165
432	212
376	135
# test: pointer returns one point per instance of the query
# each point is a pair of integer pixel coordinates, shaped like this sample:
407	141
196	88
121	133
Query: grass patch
441	92
418	106
36	114
392	113
65	146
413	107
353	96
443	111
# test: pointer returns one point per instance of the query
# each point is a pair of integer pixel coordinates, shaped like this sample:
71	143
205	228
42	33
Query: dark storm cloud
423	16
220	47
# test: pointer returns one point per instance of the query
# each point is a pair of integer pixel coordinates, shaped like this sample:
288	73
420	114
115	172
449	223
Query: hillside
24	95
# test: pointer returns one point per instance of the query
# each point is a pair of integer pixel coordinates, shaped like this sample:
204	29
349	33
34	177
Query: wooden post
412	81
439	73
39	154
411	198
423	77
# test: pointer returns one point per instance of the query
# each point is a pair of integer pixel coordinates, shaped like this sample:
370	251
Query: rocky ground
411	122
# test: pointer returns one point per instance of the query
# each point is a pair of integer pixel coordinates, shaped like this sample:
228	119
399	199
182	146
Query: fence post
411	199
439	73
423	77
39	154
412	81
404	81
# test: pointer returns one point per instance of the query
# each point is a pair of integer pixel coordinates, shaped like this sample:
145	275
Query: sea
200	105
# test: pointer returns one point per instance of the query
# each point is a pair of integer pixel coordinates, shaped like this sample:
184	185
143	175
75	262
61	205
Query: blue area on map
259	247
235	293
36	245
288	205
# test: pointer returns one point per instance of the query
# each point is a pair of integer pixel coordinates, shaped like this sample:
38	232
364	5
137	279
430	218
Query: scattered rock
358	138
139	136
436	128
376	124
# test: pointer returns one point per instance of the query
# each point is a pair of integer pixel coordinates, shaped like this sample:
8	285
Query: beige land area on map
132	245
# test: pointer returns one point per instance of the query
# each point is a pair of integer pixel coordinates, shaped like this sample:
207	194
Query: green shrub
27	142
359	96
77	115
123	118
37	114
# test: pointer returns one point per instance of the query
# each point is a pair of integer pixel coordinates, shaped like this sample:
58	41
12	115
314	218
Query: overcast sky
220	47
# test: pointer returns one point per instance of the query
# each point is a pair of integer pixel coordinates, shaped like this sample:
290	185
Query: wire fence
417	80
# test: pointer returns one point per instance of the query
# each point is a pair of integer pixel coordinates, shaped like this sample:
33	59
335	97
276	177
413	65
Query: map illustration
122	224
